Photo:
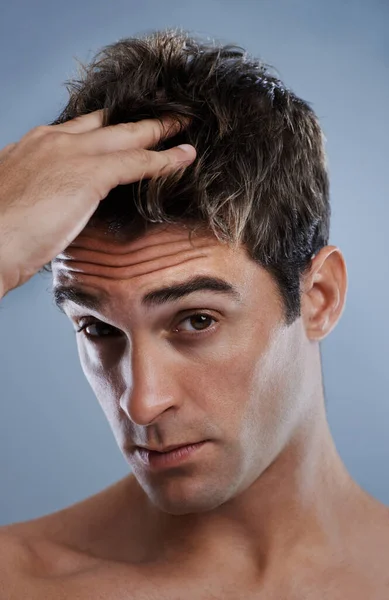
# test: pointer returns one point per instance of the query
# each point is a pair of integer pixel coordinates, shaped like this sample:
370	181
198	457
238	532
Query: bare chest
142	582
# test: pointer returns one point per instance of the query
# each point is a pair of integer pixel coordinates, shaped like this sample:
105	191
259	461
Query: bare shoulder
384	547
69	538
57	544
82	551
13	553
34	567
17	561
372	545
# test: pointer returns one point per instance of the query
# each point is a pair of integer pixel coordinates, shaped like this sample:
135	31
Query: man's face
168	370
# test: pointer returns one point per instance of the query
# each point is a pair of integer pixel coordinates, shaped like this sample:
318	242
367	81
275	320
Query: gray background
55	445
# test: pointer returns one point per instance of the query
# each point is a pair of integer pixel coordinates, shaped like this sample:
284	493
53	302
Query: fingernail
186	148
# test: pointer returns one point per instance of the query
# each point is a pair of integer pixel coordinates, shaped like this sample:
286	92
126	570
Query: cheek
250	389
102	380
277	392
227	387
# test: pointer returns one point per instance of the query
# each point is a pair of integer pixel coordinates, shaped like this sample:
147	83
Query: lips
157	460
168	448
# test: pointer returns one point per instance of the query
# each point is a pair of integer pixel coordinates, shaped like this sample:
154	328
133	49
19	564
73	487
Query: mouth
170	457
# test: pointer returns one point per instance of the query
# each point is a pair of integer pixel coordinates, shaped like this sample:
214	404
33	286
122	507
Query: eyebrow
157	297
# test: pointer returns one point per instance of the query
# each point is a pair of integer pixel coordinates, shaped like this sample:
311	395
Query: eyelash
196	334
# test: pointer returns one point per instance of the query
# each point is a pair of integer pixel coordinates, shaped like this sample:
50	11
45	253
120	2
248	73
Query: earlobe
324	292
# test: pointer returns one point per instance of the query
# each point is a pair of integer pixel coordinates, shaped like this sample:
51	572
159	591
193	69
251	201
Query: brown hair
260	176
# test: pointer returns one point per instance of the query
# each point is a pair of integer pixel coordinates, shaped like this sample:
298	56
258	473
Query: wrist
4	285
3	289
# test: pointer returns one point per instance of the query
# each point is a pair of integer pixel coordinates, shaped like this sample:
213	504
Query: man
200	296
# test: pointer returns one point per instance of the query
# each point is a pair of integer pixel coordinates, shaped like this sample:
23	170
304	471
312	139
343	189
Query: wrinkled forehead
163	255
96	252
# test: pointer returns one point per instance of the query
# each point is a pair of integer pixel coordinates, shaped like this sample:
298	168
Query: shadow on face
183	340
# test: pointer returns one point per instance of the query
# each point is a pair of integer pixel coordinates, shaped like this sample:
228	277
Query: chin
184	506
177	497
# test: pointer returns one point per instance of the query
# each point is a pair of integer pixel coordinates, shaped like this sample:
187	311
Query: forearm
2	288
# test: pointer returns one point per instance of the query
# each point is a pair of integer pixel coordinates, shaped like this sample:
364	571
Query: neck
304	499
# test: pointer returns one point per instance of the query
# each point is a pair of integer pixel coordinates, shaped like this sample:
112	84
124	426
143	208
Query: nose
151	388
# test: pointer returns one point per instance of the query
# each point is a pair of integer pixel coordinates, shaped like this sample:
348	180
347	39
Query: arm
73	165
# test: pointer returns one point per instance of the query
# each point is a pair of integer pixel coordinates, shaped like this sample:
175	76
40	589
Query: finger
124	167
126	136
82	124
7	150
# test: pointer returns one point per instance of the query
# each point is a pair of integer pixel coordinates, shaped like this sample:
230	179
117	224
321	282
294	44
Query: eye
198	319
97	329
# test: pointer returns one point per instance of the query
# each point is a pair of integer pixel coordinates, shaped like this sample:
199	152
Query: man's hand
52	181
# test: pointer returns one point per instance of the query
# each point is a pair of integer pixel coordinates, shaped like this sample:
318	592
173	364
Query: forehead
97	264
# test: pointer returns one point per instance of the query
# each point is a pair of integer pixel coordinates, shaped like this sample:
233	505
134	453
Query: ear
324	290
